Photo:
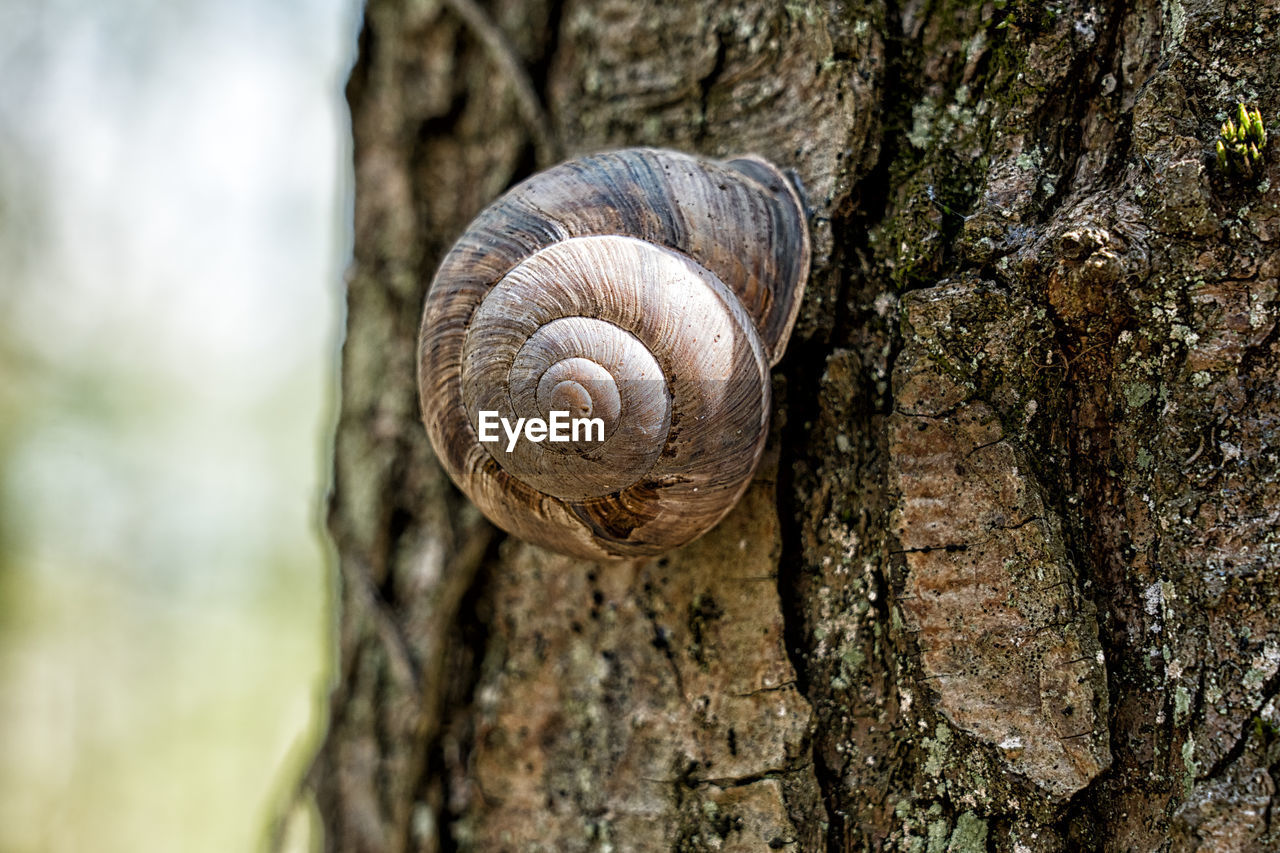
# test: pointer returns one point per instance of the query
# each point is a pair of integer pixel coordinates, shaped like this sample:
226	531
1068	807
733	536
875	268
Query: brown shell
650	288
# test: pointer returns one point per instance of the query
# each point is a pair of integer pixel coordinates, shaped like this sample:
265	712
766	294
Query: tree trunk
1007	578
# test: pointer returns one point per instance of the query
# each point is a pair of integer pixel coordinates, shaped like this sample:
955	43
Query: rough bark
1008	578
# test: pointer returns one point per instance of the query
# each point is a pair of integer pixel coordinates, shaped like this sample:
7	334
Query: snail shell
648	288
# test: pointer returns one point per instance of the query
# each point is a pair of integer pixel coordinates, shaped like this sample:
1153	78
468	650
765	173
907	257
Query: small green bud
1239	147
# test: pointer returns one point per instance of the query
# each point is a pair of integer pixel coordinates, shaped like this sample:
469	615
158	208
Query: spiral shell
650	289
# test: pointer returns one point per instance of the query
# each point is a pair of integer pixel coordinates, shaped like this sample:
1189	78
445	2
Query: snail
642	293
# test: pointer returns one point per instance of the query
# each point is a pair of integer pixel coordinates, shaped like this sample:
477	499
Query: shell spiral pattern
650	289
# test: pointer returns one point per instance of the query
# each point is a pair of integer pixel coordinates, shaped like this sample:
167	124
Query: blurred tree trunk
1008	577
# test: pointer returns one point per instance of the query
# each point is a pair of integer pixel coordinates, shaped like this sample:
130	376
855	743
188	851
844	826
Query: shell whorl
648	288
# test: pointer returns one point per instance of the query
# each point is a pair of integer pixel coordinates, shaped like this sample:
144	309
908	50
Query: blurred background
174	221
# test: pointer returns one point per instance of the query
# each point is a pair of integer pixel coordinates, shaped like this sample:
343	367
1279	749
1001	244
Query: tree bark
1007	578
